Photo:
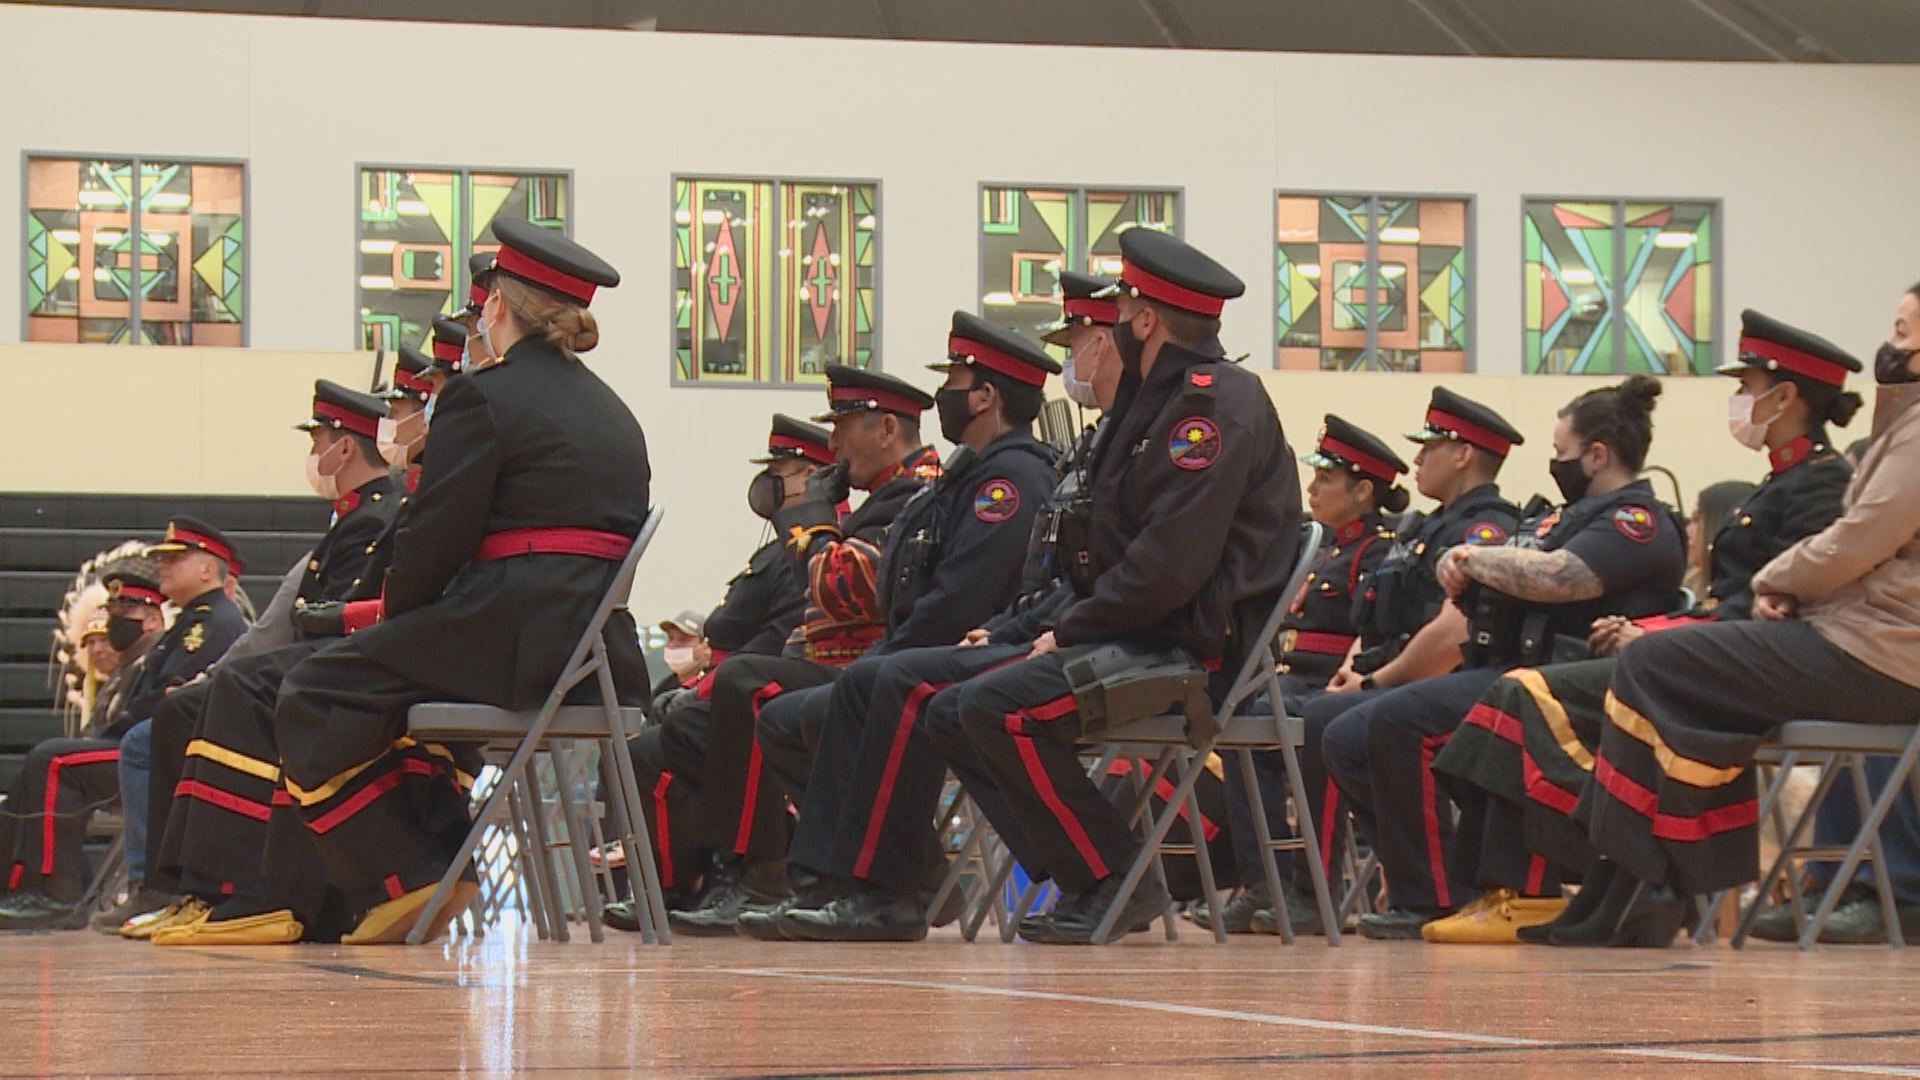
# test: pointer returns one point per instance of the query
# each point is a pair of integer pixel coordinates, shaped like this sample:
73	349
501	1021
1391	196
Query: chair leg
1789	844
1203	858
1303	819
654	908
575	815
489	812
1104	933
559	908
526	870
1269	863
1870	829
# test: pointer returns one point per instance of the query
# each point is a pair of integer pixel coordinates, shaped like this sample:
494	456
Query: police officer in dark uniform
954	560
762	606
1517	832
835	556
449	350
214	833
535	486
1353	488
1190	536
1611	549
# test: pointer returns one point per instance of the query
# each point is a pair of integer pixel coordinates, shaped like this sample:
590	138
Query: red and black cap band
139	594
1154	287
1468	431
345	419
865	397
993	359
1799	362
202	542
1100	312
407	380
447	352
509	261
1365	462
788	446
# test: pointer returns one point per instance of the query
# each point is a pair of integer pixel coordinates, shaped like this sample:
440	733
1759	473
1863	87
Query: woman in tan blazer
1835	636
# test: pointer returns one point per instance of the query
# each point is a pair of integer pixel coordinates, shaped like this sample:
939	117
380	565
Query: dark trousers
62	783
1838	822
667	760
788	731
1328	806
1410	817
737	806
387	813
1672	796
868	809
174	720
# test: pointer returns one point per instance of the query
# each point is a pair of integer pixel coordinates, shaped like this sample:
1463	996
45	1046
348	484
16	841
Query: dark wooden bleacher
45	538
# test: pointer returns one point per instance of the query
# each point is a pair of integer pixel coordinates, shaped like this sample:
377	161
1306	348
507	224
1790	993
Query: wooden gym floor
77	1003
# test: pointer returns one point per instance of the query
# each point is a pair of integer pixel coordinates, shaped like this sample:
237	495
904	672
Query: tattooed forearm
1546	577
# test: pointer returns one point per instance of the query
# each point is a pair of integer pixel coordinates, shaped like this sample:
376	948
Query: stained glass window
1371	283
136	251
1029	234
1618	287
417	229
773	279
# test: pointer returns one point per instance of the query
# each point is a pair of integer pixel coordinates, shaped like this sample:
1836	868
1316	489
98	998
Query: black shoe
868	915
138	902
1583	906
720	908
1397	924
1652	920
1238	915
768	922
1617	890
1302	912
620	915
1081	915
34	911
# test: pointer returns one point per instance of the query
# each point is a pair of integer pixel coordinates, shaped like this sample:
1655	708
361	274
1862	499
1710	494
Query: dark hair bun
1393	500
1844	407
1639	393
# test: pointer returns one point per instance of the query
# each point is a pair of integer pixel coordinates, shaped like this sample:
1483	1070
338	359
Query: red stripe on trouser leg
660	828
1043	784
1540	790
1436	859
13	879
392	885
226	888
194	789
1328	805
328	821
52	799
751	802
902	729
1165	789
1536	870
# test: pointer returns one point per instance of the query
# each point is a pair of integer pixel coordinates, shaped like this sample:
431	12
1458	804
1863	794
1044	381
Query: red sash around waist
589	543
1311	641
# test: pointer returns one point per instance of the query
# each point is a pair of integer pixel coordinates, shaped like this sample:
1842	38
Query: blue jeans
136	753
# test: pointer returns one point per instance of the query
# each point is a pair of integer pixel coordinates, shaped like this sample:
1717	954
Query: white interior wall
1813	162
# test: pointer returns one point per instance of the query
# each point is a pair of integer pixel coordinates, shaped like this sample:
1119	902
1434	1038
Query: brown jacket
1858	580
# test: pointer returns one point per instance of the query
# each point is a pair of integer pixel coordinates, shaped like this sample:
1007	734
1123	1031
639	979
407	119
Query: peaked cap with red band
449	344
1085	300
853	390
410	368
1771	345
136	586
192	534
336	407
1452	417
1163	268
797	439
1344	446
975	342
547	259
479	282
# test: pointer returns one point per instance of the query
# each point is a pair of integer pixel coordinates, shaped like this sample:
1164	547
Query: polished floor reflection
77	1003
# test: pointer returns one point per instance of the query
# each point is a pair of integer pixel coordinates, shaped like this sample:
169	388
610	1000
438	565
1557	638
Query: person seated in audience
1353	488
1611	548
1858	917
1517	764
1670	804
193	563
1716	503
762	605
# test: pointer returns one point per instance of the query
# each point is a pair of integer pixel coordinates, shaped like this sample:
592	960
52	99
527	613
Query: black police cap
1163	268
853	390
1771	345
792	438
410	368
341	409
1085	300
449	344
1342	445
1450	416
548	259
973	341
191	534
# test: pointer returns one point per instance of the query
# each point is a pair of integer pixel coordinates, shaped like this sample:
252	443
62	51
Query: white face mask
392	450
1740	420
1079	389
327	487
680	659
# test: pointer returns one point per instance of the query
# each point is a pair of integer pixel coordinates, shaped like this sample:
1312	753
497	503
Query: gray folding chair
1833	746
516	801
1242	733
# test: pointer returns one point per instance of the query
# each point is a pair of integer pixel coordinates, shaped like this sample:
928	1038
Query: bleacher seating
44	539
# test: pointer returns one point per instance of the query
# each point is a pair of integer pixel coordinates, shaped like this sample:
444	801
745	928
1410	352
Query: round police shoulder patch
1636	523
1485	533
996	500
1194	443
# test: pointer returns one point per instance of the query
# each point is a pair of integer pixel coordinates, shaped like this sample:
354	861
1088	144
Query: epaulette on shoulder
1200	380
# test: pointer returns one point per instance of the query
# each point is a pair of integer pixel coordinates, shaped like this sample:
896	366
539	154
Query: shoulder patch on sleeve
1194	443
1486	533
1636	523
996	500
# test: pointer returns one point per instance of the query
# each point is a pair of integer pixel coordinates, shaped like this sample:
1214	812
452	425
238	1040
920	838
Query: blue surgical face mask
428	411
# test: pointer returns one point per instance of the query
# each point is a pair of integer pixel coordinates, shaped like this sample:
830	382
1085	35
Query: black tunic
763	604
1321	624
339	562
1801	496
207	625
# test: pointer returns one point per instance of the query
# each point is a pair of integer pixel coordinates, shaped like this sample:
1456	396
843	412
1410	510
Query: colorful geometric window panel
1370	283
192	231
826	287
1029	234
773	279
1667	288
1649	263
78	255
410	253
539	198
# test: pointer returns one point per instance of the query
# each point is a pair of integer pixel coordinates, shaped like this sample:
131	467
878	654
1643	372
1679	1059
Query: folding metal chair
1833	746
516	801
1241	733
110	876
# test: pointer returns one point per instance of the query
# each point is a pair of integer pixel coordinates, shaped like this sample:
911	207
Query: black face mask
1890	365
765	493
123	631
1572	482
1131	348
954	413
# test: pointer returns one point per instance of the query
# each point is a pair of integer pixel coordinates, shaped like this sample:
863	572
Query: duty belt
1313	641
588	543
